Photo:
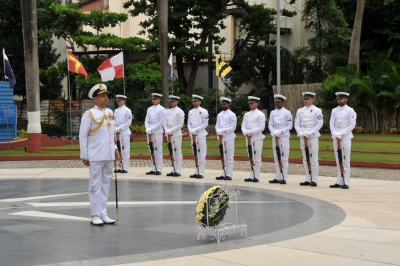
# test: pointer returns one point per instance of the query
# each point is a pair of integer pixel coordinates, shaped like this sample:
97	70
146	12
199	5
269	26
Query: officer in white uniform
154	122
280	123
226	125
97	150
123	120
343	121
197	124
309	121
253	125
173	124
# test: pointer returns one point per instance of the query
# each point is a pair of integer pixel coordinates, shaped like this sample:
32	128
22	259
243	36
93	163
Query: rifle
118	157
194	145
119	141
151	147
171	152
278	155
221	152
250	152
339	153
307	156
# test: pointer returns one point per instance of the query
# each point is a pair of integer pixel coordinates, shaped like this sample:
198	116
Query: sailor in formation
308	122
225	127
154	123
280	123
197	124
97	150
173	124
343	121
123	120
252	127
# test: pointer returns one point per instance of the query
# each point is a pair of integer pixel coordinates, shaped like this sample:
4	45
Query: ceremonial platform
45	220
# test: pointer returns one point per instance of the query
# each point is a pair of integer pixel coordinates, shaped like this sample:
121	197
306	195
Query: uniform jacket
174	120
309	121
123	119
198	121
281	119
155	117
254	121
226	121
343	121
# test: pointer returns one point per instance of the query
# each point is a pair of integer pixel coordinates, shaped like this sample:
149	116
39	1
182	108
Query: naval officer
123	120
97	150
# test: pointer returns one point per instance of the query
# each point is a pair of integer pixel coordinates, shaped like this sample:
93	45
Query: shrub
138	129
358	130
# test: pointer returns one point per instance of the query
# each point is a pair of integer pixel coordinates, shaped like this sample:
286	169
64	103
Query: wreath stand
220	231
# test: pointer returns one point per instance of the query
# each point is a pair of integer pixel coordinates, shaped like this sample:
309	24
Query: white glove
339	136
272	134
300	134
249	132
168	131
118	129
277	132
148	131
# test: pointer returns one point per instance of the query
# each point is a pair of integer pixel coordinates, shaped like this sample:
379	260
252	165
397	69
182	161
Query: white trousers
201	154
158	152
177	151
125	151
99	186
257	147
284	146
346	151
313	147
229	151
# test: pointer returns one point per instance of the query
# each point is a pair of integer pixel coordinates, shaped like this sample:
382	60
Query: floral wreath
214	204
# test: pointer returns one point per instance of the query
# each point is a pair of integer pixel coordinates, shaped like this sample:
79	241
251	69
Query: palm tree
354	54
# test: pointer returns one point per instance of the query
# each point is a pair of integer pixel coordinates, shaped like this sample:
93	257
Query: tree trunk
30	36
162	9
181	73
354	54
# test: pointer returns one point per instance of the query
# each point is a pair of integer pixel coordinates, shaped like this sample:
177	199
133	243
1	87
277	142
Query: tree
354	55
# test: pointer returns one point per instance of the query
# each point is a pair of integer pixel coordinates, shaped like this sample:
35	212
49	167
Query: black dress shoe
177	174
199	176
283	182
193	176
227	178
157	173
255	180
274	181
220	178
345	187
313	184
124	172
150	173
248	180
335	186
117	171
305	183
170	174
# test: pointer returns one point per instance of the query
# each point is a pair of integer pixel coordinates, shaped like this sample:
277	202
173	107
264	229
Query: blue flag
8	72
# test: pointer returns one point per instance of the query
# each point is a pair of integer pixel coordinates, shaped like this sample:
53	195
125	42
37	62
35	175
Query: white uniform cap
279	98
96	90
173	98
120	97
196	97
308	94
156	95
341	94
253	99
225	100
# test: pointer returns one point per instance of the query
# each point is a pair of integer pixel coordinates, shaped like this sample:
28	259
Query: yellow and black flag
222	69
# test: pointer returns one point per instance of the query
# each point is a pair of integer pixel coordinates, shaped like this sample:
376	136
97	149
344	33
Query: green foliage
138	129
358	130
51	79
22	134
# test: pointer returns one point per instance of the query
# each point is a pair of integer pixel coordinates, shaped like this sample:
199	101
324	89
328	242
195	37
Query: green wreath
214	204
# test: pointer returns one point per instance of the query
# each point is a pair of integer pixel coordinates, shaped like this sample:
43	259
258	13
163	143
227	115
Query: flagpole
70	107
4	68
123	70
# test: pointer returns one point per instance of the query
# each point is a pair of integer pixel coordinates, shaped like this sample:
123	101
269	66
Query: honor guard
225	127
123	120
308	122
343	121
280	123
173	129
154	129
97	150
197	124
252	127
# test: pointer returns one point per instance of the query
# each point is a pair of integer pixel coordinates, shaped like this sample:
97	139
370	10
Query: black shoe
193	176
273	181
227	178
283	182
157	173
345	187
124	172
150	173
220	178
248	180
313	184
177	174
255	180
335	186
117	171
305	183
199	176
170	174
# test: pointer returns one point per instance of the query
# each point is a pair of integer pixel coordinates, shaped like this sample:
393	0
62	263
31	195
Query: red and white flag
112	68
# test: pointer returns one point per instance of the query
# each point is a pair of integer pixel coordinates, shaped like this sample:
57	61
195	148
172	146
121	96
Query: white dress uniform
226	126
280	123
253	125
308	122
123	119
173	124
154	123
197	124
343	121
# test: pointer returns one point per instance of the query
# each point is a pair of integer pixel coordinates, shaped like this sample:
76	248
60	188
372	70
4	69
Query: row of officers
99	124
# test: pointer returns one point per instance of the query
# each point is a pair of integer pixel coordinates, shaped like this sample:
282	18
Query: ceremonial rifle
278	155
151	147
307	151
221	152
339	154
250	152
171	152
194	145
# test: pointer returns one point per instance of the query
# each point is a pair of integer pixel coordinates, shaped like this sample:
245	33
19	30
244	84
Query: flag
75	66
222	69
8	72
112	68
170	67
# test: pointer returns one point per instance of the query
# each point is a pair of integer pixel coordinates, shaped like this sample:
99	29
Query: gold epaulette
98	123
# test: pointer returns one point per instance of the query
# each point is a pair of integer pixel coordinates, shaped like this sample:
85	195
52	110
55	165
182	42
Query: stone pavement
267	167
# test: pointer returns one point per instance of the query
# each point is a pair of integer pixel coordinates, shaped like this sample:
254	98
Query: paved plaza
44	209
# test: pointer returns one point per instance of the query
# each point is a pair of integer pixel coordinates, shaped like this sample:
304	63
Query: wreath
212	204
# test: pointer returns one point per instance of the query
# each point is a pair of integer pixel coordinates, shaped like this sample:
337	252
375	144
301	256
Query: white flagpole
4	67
123	70
70	105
